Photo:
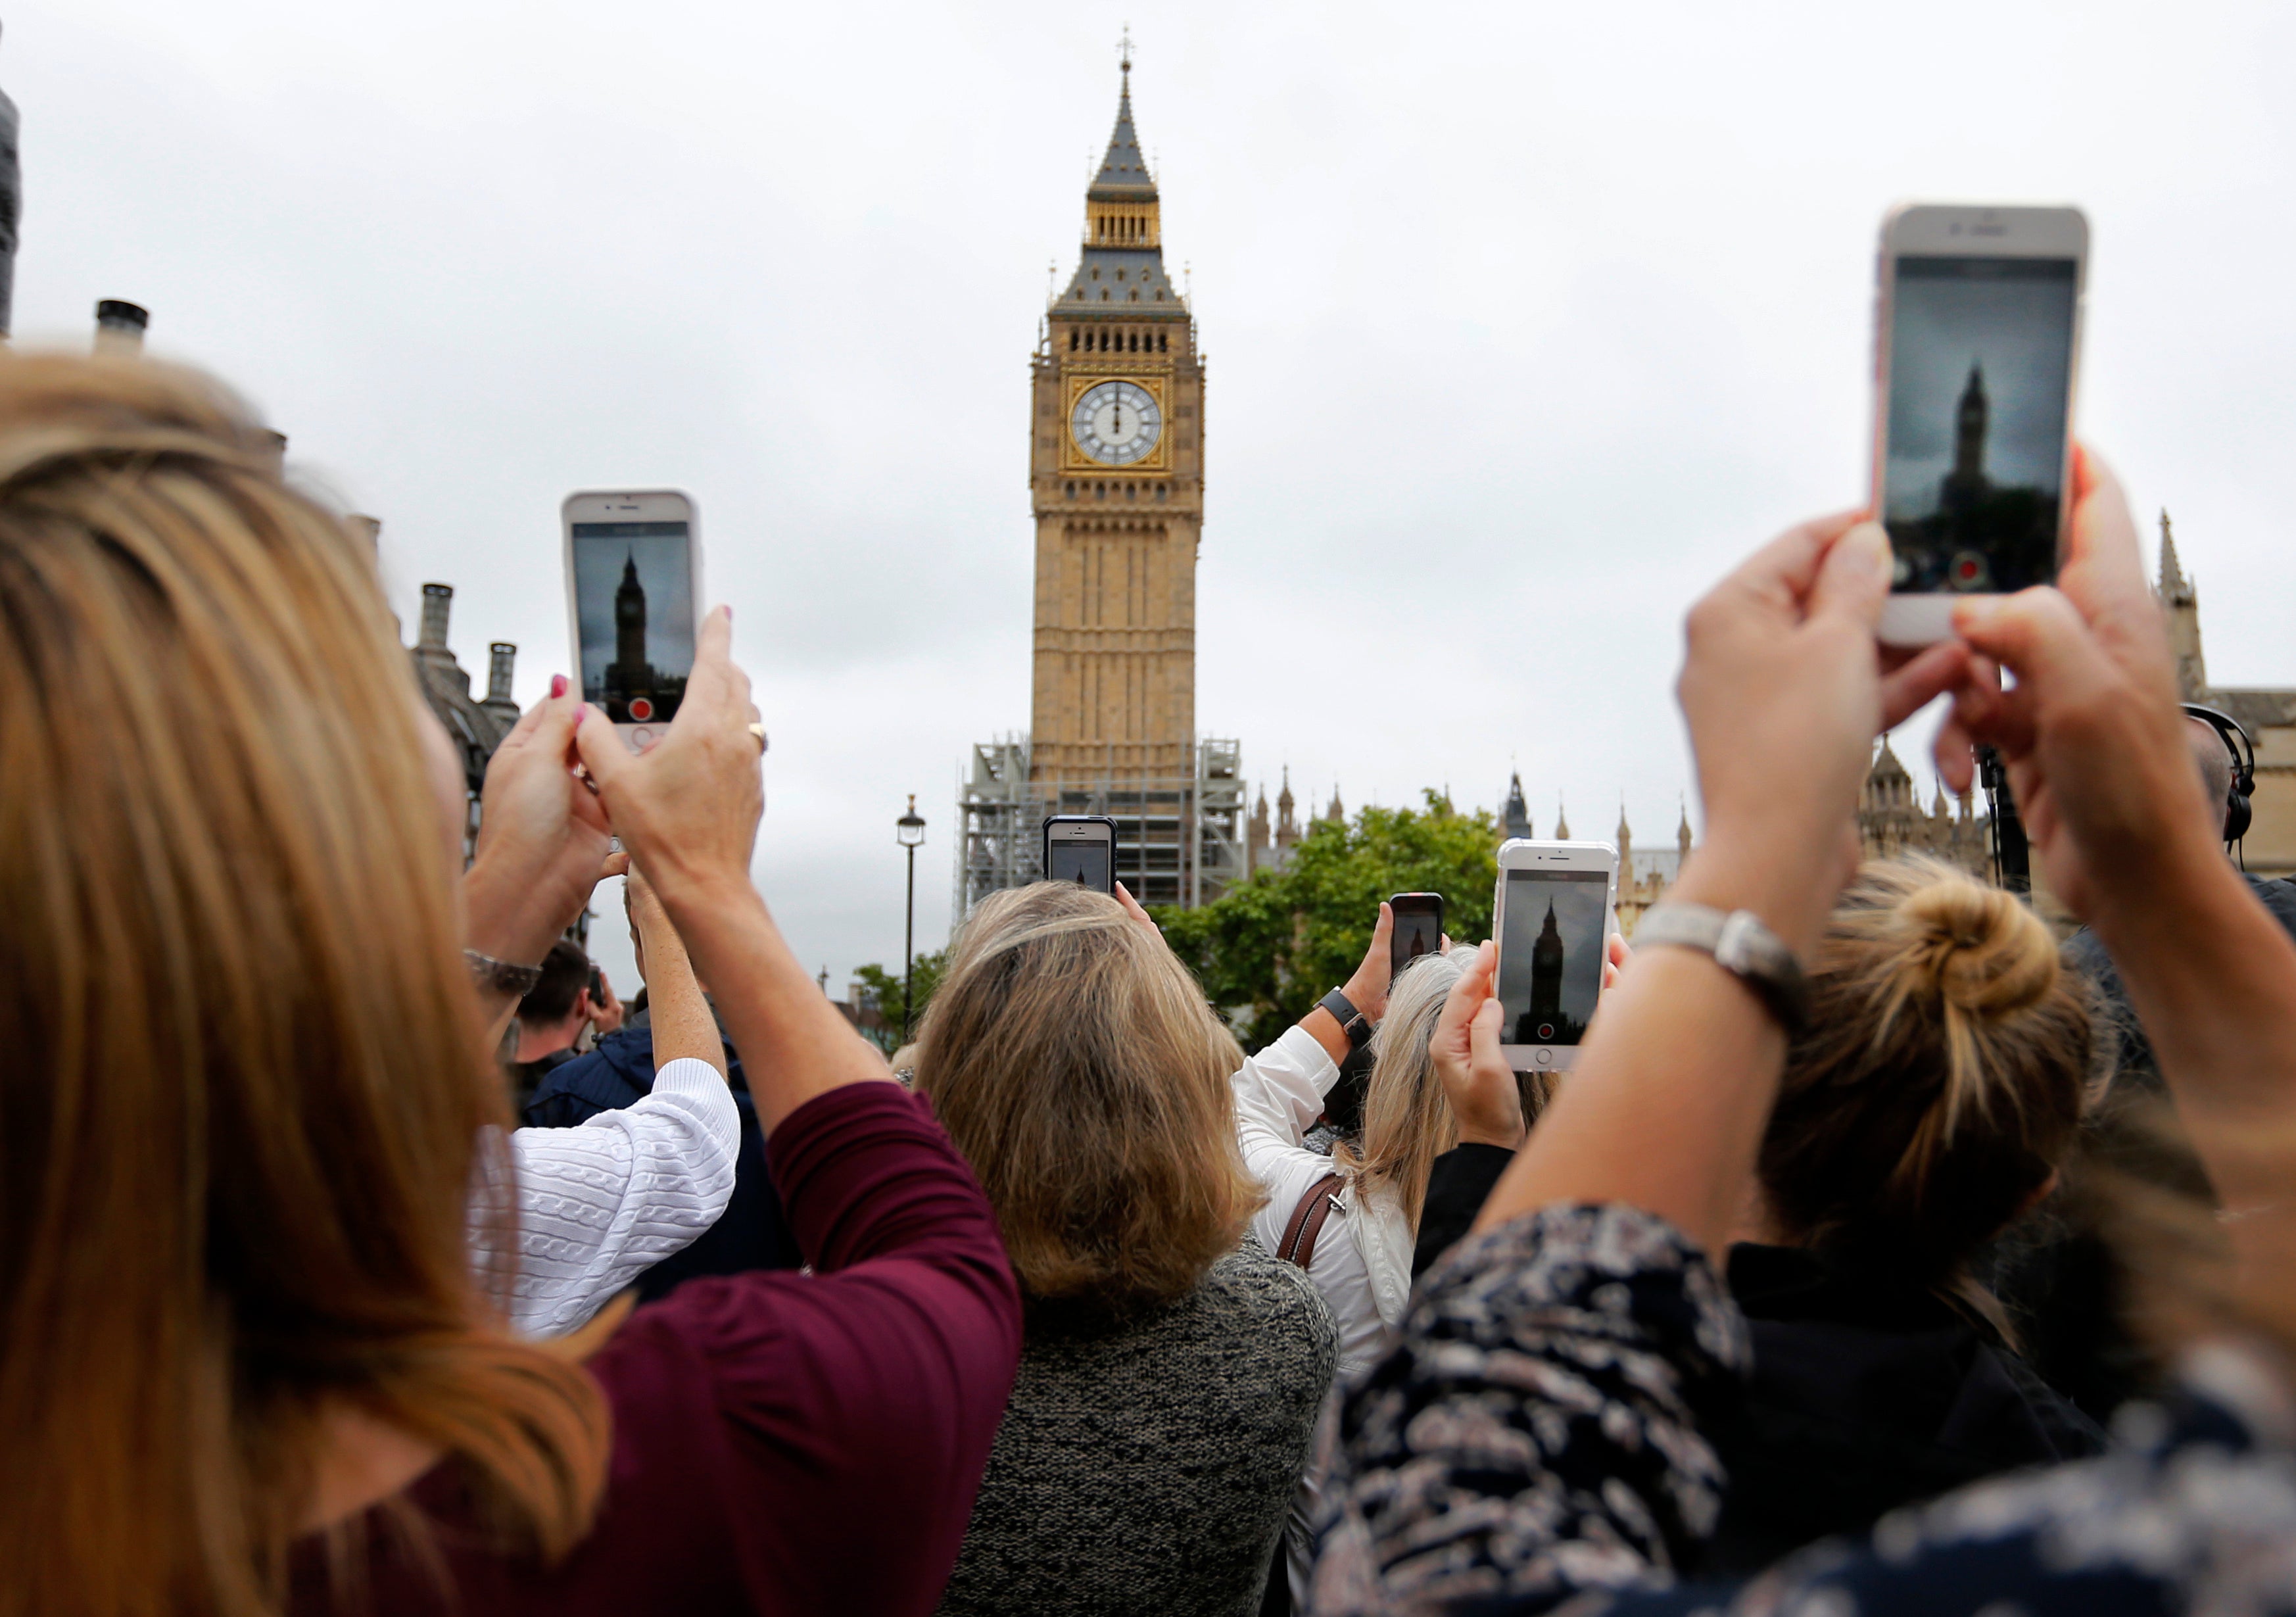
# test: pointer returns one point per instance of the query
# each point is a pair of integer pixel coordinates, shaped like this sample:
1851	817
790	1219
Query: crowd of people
1925	1267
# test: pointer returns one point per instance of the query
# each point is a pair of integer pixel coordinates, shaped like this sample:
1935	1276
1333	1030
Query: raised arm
542	841
678	1013
2097	757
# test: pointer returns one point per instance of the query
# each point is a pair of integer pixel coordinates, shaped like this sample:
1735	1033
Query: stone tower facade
1117	485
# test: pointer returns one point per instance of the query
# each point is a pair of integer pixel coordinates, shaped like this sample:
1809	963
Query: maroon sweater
783	1442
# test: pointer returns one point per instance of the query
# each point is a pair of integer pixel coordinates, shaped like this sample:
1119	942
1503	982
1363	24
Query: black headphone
2238	813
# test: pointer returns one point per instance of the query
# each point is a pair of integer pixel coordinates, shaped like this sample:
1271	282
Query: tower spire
2175	588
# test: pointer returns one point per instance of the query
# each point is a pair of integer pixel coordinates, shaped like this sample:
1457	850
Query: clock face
1117	422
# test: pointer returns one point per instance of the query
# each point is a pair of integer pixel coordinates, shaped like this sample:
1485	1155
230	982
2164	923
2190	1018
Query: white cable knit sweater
599	1203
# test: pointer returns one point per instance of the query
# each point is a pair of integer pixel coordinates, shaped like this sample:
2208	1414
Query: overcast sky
1522	322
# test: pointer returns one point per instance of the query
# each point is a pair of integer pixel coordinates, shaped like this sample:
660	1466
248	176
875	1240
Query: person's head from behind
1940	1081
552	1014
2212	753
1407	1120
1075	1063
245	1090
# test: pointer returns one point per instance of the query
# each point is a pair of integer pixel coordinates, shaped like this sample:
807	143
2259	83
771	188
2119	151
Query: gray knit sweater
1148	1468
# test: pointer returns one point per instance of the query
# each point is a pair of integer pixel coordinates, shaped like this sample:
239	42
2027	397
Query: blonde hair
1940	1081
246	1092
1075	1063
1407	1120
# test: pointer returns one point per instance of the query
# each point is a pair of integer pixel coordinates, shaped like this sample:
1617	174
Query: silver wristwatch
1741	946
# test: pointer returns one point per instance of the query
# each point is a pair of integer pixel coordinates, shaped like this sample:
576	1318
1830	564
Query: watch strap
1741	944
495	976
1352	1021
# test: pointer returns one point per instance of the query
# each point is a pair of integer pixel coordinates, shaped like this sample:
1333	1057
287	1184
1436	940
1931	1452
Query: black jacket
1458	1184
753	1233
1868	1392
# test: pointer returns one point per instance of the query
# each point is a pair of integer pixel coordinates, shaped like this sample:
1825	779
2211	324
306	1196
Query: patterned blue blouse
1531	1443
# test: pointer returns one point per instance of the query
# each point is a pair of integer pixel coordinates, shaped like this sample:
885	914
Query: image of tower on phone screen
1550	954
1980	374
634	601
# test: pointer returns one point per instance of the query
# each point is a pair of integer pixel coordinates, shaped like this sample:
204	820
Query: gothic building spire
2176	589
2180	599
1123	260
1516	815
1123	175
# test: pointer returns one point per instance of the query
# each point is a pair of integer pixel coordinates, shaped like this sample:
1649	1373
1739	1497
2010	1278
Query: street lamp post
911	830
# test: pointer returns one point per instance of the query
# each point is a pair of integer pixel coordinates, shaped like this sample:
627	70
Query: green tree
1270	947
887	986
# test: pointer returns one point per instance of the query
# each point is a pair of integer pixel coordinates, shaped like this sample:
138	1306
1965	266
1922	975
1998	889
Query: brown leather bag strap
1308	1221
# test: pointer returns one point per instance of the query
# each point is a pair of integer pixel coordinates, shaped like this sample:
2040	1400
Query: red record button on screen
641	709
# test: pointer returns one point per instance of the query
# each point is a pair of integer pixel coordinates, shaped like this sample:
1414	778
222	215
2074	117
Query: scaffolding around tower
1179	839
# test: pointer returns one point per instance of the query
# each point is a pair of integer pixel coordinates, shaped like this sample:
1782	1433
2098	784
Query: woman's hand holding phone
1783	691
1366	990
1615	956
542	838
2098	757
688	808
1477	1080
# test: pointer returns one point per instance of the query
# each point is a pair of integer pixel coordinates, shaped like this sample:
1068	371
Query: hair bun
1981	951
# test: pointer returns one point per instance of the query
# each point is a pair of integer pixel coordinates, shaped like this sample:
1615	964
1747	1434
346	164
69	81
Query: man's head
2213	754
558	1004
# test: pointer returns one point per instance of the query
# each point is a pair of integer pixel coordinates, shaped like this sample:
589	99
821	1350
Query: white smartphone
1081	848
1554	915
634	600
1976	357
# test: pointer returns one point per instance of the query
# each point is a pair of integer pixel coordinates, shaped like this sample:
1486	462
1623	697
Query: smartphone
1554	915
1418	928
1081	848
634	598
1976	355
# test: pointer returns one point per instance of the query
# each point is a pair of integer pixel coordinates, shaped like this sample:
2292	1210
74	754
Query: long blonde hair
245	1090
1407	1120
1077	1065
1941	1078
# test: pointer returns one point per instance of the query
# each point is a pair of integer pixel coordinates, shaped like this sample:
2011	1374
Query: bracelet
1741	946
495	976
1352	1021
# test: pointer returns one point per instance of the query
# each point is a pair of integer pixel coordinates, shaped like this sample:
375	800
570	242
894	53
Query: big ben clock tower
1116	486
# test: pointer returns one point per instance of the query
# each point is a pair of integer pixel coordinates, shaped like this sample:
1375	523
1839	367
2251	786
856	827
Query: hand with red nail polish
542	837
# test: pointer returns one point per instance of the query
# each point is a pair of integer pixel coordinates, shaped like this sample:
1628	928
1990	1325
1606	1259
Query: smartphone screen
1550	954
1086	864
633	611
1418	929
1980	380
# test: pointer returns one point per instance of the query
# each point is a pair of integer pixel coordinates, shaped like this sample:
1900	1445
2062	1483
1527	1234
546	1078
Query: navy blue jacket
751	1234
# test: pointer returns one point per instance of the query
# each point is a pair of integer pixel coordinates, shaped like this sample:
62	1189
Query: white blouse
601	1202
1361	1260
